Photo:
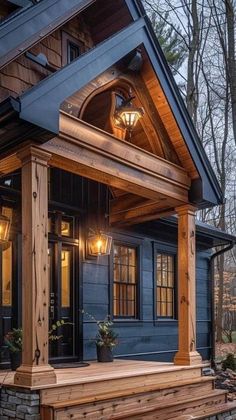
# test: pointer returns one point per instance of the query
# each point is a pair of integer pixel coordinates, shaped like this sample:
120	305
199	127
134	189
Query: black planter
104	354
15	359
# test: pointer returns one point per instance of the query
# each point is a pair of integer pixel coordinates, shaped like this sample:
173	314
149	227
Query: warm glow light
99	244
127	115
4	228
130	116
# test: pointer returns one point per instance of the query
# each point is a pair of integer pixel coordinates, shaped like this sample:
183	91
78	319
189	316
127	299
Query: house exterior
72	168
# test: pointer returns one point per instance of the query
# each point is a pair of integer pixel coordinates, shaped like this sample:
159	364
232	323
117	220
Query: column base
33	376
187	359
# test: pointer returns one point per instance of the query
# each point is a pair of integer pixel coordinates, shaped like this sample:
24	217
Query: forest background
198	40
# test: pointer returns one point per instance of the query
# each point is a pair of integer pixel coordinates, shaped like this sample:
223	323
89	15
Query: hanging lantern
5	225
99	244
128	115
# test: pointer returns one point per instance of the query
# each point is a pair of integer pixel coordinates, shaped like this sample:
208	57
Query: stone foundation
18	403
229	415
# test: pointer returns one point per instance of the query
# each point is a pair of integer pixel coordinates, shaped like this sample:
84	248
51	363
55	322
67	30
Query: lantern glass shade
4	228
99	244
130	116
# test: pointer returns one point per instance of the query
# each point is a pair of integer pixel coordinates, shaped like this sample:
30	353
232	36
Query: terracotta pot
104	354
15	359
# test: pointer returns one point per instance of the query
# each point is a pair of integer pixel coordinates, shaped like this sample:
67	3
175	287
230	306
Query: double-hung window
165	285
124	281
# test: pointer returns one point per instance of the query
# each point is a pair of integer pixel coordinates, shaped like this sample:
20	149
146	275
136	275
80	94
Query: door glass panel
66	227
65	278
7	276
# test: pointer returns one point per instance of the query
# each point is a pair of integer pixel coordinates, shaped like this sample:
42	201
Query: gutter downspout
216	254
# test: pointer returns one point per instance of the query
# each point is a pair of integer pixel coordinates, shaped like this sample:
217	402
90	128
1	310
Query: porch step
120	405
182	409
209	412
118	380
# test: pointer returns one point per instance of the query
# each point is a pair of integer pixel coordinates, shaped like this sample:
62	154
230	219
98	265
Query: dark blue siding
145	339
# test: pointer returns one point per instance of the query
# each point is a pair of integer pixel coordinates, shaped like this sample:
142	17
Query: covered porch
127	389
34	161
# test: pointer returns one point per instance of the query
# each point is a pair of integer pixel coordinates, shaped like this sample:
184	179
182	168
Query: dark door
9	269
63	255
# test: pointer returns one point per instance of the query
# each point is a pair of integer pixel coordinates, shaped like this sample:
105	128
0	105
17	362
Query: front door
9	270
63	256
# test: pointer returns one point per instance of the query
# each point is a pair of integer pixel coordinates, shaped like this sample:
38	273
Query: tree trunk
230	23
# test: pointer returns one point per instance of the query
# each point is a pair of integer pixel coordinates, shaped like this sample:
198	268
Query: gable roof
41	104
34	23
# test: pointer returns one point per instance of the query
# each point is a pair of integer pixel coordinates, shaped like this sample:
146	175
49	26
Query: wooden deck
129	390
112	371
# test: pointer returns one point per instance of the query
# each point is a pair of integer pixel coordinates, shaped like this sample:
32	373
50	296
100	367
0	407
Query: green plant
51	333
13	339
106	336
229	362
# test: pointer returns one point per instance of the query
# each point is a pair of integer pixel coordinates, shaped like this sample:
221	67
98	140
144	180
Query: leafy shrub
229	362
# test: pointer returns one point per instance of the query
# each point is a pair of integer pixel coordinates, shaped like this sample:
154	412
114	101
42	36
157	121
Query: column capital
33	154
186	209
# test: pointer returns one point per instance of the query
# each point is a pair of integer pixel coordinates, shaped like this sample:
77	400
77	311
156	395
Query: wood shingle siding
22	74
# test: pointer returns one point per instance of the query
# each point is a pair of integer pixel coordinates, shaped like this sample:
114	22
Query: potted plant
106	340
13	343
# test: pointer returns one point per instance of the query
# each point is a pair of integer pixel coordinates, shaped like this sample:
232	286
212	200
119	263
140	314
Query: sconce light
99	244
128	115
5	225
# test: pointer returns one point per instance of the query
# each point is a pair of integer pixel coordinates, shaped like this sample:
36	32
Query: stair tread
206	412
214	393
128	392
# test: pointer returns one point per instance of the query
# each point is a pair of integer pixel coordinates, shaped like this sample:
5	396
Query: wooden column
187	354
35	369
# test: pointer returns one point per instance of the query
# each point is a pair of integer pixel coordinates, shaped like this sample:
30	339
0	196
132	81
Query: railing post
35	369
187	354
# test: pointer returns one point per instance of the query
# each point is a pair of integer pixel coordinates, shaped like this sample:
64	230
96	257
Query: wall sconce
128	115
5	224
99	244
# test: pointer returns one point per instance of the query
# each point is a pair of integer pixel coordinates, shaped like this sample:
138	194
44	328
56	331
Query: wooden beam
75	158
35	369
104	143
131	209
95	154
187	354
9	164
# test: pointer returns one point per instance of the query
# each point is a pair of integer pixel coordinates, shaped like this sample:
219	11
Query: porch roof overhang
32	24
207	236
41	104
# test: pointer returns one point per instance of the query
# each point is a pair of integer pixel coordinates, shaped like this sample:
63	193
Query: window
72	48
165	285
124	281
73	51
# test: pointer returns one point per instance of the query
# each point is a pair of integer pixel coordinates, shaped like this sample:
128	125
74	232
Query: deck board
104	371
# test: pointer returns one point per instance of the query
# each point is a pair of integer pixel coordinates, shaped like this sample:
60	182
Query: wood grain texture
120	405
35	286
172	179
167	117
187	353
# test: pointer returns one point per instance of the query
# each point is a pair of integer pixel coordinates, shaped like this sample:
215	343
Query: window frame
169	251
68	39
132	244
